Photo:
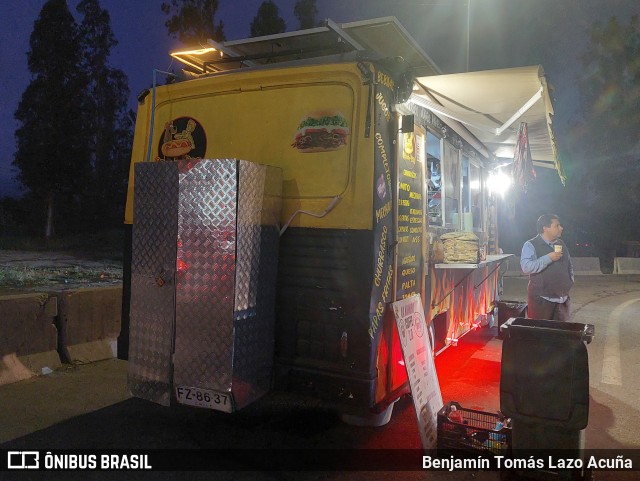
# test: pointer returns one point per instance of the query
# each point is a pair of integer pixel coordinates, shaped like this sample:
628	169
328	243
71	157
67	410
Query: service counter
461	296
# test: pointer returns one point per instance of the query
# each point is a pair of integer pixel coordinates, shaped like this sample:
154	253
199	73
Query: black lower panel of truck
322	314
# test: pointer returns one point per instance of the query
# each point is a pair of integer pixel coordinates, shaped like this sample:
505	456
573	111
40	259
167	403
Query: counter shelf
497	259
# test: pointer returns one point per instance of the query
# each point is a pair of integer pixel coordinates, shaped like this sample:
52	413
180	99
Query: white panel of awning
492	103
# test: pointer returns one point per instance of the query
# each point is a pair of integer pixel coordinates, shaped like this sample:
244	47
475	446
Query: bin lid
515	325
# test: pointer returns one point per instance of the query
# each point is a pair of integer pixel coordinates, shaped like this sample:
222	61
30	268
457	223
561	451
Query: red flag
523	171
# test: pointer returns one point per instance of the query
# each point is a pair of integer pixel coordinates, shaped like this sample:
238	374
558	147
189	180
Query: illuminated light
499	183
194	53
181	265
474	184
198	51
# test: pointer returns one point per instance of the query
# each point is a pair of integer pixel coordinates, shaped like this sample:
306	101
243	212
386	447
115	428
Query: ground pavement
469	373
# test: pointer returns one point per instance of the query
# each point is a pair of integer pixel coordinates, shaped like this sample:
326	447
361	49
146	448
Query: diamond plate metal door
205	254
152	281
259	206
205	280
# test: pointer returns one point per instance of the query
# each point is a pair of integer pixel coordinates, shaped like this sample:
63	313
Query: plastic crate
476	432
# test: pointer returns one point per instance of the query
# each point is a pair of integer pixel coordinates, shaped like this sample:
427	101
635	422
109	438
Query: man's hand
555	256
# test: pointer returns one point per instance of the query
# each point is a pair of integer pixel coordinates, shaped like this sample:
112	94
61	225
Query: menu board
421	369
410	213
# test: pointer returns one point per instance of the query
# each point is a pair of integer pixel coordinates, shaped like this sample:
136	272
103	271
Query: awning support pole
488	275
439	109
537	96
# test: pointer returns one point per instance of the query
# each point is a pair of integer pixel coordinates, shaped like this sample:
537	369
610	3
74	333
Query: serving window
433	174
451	185
471	195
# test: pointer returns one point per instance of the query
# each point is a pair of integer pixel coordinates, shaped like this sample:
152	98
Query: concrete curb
626	265
586	266
28	336
82	324
513	267
89	323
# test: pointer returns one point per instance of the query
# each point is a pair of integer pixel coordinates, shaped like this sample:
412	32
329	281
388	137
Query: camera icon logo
23	460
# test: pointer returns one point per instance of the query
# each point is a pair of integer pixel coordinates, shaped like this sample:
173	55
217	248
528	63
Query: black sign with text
383	192
410	218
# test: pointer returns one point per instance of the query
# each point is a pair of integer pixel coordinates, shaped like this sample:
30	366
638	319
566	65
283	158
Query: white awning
491	104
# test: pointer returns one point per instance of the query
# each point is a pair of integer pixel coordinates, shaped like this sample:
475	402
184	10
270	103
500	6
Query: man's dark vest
555	279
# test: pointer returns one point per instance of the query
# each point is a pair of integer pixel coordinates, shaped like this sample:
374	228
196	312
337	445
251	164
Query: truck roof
490	104
383	37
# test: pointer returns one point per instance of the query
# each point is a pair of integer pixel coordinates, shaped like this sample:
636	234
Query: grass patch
86	260
24	277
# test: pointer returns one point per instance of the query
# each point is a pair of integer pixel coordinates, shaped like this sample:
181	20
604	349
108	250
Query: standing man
546	259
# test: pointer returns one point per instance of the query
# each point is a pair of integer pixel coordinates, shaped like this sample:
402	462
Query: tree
306	11
52	154
609	142
109	122
193	21
267	21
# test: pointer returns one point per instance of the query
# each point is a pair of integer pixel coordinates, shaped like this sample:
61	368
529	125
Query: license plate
204	398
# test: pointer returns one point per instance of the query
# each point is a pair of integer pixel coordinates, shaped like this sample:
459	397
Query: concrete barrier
89	322
513	267
28	336
626	265
582	266
586	266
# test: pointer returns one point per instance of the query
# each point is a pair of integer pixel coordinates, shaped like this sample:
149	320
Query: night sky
504	33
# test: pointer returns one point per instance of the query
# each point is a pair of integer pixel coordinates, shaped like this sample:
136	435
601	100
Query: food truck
285	190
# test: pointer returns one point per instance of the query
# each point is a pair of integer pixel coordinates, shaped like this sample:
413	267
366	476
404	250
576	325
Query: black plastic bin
544	385
509	309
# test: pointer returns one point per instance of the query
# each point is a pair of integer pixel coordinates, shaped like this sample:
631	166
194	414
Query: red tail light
181	265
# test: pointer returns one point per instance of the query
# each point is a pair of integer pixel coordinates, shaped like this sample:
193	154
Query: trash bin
544	385
509	309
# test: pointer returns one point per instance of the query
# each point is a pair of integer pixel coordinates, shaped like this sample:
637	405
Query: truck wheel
369	420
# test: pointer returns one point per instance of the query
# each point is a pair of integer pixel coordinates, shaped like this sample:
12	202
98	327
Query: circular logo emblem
418	324
183	138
